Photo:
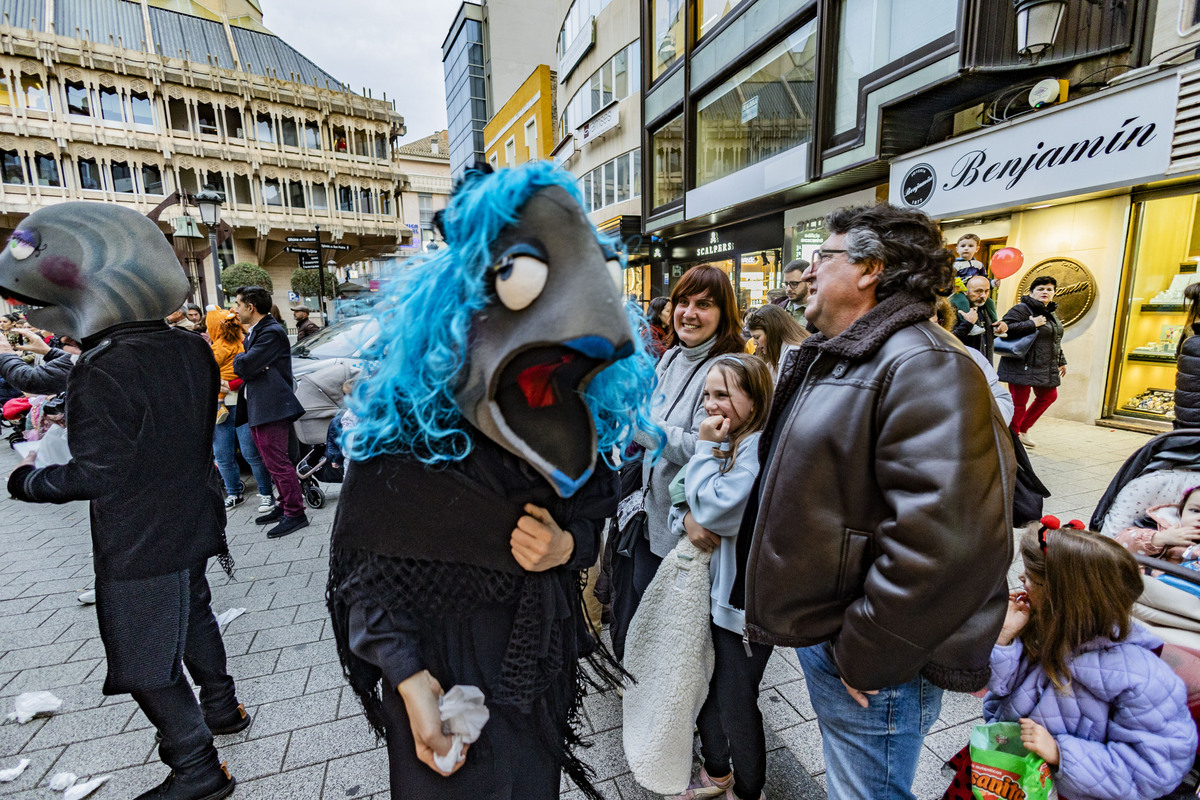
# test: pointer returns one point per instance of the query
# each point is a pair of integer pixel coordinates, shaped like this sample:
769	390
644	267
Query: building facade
523	128
135	103
1073	141
466	88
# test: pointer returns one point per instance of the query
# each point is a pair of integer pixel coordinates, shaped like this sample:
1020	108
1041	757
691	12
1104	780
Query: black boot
213	783
232	722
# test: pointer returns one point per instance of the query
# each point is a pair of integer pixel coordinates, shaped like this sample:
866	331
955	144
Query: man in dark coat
305	327
142	405
976	324
268	403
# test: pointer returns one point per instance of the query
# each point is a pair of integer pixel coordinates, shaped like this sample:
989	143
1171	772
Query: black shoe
211	784
271	516
288	525
236	720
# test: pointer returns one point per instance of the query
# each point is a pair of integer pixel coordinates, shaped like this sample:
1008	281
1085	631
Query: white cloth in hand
463	717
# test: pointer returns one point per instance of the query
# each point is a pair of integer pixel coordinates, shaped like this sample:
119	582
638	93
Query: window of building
362	143
345	198
188	182
668	163
577	20
214	181
78	100
873	34
264	128
10	167
320	198
312	136
385	203
295	191
177	112
152	181
47	170
366	203
620	67
637	172
587	191
234	127
606	84
5	93
531	139
122	177
110	105
206	118
761	111
594	91
272	196
610	183
510	152
143	112
241	190
89	174
289	133
710	12
615	80
494	161
36	96
340	143
381	150
623	183
667	44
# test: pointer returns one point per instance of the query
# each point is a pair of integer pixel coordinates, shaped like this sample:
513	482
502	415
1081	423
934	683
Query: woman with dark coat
1187	369
1044	366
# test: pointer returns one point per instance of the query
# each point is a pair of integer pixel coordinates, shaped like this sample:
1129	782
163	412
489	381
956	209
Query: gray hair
864	244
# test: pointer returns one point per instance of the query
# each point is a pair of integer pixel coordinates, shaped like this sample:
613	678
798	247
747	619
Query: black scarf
390	550
859	342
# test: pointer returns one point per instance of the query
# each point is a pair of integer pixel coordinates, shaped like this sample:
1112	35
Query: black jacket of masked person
1187	381
146	467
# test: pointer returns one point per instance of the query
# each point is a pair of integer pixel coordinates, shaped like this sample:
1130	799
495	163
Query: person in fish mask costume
141	405
507	371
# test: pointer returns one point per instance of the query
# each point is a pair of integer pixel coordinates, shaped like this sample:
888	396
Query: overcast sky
392	46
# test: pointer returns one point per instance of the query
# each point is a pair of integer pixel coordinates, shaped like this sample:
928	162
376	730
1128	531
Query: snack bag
1002	769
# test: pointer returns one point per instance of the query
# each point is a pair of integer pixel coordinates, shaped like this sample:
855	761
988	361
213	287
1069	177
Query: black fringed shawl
430	543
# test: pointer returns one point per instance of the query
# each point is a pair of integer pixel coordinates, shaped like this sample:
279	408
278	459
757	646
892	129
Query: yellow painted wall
510	120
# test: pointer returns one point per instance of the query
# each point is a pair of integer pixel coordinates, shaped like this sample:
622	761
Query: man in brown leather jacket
882	534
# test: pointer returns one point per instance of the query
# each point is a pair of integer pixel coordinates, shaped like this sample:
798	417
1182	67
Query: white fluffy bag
669	652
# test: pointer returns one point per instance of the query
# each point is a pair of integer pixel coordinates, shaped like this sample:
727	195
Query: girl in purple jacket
1084	680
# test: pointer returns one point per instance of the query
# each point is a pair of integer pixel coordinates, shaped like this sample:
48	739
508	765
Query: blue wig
405	402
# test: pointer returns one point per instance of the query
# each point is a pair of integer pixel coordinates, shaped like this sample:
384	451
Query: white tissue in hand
63	781
29	704
12	773
82	790
463	716
226	617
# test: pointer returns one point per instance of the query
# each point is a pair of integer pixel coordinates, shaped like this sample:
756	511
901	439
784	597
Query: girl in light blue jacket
717	485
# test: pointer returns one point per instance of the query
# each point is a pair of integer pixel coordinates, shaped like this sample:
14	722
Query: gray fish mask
555	320
87	266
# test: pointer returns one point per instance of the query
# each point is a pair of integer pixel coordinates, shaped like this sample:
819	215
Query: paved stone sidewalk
308	739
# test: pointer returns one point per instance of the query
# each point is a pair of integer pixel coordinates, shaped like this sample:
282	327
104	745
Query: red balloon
1006	261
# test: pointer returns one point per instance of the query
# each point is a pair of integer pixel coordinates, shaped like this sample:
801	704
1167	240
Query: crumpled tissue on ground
82	790
12	773
226	617
463	716
30	704
63	781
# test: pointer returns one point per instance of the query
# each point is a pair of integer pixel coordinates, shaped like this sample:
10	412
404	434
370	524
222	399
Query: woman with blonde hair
776	333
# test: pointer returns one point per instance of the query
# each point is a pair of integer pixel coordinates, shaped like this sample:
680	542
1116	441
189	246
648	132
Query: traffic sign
300	239
332	246
310	265
308	251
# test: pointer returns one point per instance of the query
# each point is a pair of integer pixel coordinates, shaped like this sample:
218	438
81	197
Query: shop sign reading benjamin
1118	138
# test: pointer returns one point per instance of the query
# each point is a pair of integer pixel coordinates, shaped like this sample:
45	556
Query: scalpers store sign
1119	139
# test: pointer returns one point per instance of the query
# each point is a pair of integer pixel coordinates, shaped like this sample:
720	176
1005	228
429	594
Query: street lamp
209	202
1037	25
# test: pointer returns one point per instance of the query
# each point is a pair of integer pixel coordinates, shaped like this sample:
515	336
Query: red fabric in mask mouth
537	384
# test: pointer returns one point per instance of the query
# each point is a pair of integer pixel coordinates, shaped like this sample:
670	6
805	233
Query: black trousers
630	577
187	744
730	724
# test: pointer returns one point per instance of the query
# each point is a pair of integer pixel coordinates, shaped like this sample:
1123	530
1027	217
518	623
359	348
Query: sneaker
87	598
232	501
1026	439
265	503
288	525
209	784
274	515
704	786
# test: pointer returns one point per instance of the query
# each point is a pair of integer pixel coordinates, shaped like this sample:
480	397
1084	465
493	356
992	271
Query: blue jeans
870	753
224	436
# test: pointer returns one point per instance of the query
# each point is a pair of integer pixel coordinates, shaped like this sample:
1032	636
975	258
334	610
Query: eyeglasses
792	284
821	256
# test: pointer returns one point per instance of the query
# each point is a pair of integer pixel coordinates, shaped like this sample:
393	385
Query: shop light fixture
1037	25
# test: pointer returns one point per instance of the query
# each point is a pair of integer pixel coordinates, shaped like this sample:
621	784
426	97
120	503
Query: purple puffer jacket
1123	729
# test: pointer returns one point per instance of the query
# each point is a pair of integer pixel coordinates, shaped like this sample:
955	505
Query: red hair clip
1051	523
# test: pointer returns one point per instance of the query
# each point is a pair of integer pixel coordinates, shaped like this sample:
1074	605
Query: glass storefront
710	12
761	111
1165	250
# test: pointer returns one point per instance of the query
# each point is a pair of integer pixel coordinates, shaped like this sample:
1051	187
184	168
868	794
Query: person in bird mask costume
507	372
141	405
